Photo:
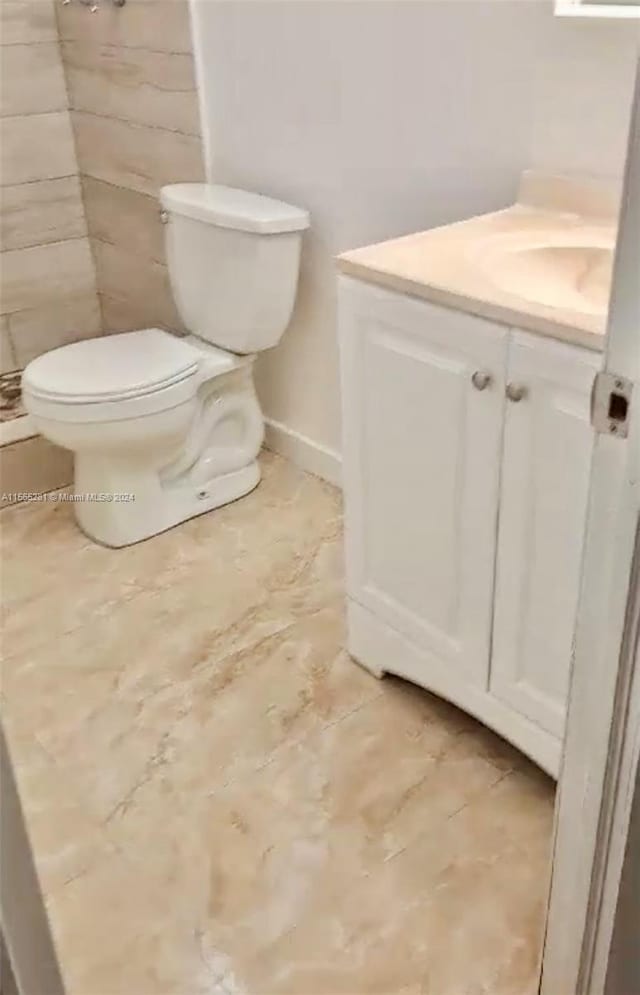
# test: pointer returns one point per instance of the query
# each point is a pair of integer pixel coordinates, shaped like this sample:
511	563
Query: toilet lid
112	367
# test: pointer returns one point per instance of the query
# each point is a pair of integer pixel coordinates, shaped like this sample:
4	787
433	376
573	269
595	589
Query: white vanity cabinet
421	470
464	509
546	457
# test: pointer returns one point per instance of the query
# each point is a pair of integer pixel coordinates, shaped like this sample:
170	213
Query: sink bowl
566	274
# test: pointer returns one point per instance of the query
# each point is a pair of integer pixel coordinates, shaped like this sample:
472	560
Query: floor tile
221	800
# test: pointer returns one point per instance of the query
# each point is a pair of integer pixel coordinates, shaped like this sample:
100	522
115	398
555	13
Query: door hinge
610	404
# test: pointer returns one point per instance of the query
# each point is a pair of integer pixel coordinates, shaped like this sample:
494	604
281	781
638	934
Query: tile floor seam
468	803
290	747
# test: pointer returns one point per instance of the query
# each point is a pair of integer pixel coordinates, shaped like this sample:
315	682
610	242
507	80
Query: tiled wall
132	92
81	232
32	466
48	294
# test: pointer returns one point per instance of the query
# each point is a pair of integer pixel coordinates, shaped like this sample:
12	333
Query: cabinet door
421	469
545	479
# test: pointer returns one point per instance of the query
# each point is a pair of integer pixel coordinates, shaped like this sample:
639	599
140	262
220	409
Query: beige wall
383	118
48	293
135	120
583	87
379	117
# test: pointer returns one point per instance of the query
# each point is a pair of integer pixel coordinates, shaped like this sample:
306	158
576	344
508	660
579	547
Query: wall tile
43	274
44	211
36	330
144	283
129	155
8	359
48	291
124	316
160	25
31	80
135	117
36	147
124	217
133	84
34	466
27	21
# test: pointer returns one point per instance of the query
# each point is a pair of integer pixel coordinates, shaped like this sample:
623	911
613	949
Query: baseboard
304	452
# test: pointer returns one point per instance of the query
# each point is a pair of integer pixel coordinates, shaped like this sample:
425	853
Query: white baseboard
304	452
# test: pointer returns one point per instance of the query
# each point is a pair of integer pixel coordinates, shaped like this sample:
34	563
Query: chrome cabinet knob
516	392
481	379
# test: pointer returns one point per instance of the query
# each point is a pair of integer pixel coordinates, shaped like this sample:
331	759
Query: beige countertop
540	268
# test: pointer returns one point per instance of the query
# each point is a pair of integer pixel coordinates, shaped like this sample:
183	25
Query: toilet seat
119	376
111	367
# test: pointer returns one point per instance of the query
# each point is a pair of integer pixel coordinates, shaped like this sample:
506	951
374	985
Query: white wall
583	87
383	117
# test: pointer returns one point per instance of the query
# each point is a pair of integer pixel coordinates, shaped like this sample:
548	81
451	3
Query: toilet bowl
164	428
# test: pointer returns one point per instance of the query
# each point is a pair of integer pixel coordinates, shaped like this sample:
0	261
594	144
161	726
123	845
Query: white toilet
164	428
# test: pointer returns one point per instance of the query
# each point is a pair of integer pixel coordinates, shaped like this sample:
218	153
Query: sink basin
570	274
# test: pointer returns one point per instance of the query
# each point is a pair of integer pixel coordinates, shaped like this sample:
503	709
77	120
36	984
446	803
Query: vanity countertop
539	268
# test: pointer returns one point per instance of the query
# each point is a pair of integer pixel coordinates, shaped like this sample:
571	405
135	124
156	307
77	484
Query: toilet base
149	506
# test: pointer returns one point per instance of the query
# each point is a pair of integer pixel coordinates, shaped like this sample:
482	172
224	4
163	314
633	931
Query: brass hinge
610	404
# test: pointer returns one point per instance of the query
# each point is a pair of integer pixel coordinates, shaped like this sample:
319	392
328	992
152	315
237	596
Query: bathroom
216	797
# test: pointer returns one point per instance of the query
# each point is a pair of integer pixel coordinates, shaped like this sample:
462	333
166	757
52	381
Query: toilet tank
233	260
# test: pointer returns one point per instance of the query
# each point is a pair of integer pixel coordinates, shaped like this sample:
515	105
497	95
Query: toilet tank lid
231	208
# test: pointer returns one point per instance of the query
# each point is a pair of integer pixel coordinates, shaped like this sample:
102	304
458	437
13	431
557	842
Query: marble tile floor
221	801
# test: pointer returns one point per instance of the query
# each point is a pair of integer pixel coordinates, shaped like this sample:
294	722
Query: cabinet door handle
516	392
481	379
